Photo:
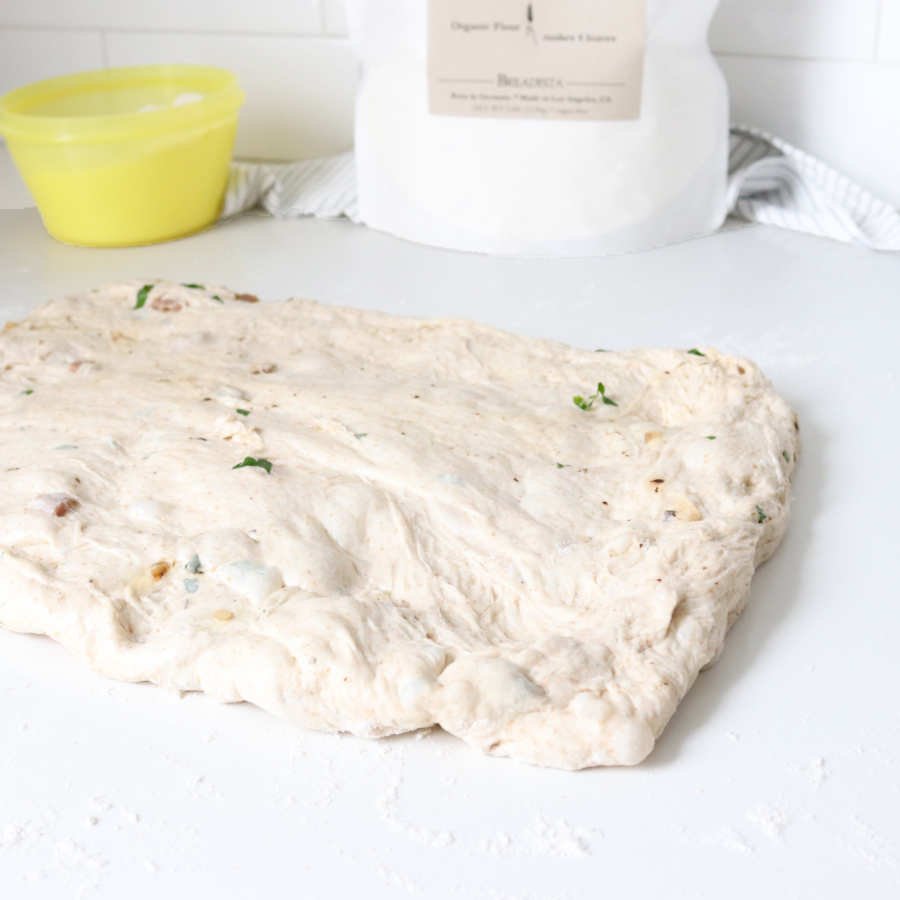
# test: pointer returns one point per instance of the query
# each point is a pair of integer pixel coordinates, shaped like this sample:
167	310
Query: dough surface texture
425	528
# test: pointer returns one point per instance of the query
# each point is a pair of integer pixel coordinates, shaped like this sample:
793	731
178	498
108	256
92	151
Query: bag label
580	60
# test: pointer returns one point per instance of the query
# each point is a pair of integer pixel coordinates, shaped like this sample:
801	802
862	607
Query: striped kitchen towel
325	188
769	181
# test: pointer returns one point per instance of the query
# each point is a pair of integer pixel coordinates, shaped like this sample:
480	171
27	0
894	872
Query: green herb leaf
710	437
28	391
599	394
142	295
243	412
192	285
695	352
786	456
217	298
560	465
601	350
359	435
258	463
760	514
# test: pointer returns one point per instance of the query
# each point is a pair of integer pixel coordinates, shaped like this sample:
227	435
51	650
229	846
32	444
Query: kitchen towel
769	181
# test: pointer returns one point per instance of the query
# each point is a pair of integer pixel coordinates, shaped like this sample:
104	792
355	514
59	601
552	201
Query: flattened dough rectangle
373	524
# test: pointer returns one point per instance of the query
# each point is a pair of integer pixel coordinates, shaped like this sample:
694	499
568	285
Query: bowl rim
222	97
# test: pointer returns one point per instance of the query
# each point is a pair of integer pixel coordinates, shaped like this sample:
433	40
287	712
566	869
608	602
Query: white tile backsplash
287	16
299	90
335	14
889	45
825	74
823	29
13	193
27	55
844	113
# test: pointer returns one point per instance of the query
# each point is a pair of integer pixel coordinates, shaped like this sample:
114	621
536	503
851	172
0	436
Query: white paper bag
549	128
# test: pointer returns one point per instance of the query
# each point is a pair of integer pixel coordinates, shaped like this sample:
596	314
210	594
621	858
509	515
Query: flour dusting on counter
544	837
373	525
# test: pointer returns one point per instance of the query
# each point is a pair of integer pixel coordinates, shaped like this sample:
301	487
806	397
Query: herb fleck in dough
416	524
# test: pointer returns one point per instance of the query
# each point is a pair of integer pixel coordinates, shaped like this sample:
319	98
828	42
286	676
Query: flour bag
543	128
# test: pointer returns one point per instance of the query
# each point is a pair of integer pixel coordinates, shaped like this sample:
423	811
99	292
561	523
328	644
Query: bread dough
426	528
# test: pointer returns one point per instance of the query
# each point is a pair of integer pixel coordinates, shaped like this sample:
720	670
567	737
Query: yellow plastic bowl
125	156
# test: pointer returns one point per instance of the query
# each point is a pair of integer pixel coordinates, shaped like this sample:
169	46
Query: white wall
825	74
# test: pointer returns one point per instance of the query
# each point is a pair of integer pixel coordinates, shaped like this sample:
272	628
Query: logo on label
529	22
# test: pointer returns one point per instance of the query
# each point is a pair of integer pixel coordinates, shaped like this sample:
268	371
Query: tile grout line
833	60
208	32
338	37
879	22
785	57
104	49
327	28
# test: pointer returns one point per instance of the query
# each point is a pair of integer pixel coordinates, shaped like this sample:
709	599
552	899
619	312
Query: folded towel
325	188
769	181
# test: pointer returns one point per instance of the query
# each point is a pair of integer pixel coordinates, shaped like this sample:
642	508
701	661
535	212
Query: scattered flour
388	805
201	789
13	835
725	839
543	838
559	838
770	820
816	771
71	854
329	786
870	846
501	844
394	879
101	804
78	864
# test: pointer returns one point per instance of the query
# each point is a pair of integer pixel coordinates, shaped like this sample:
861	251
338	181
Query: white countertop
778	776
